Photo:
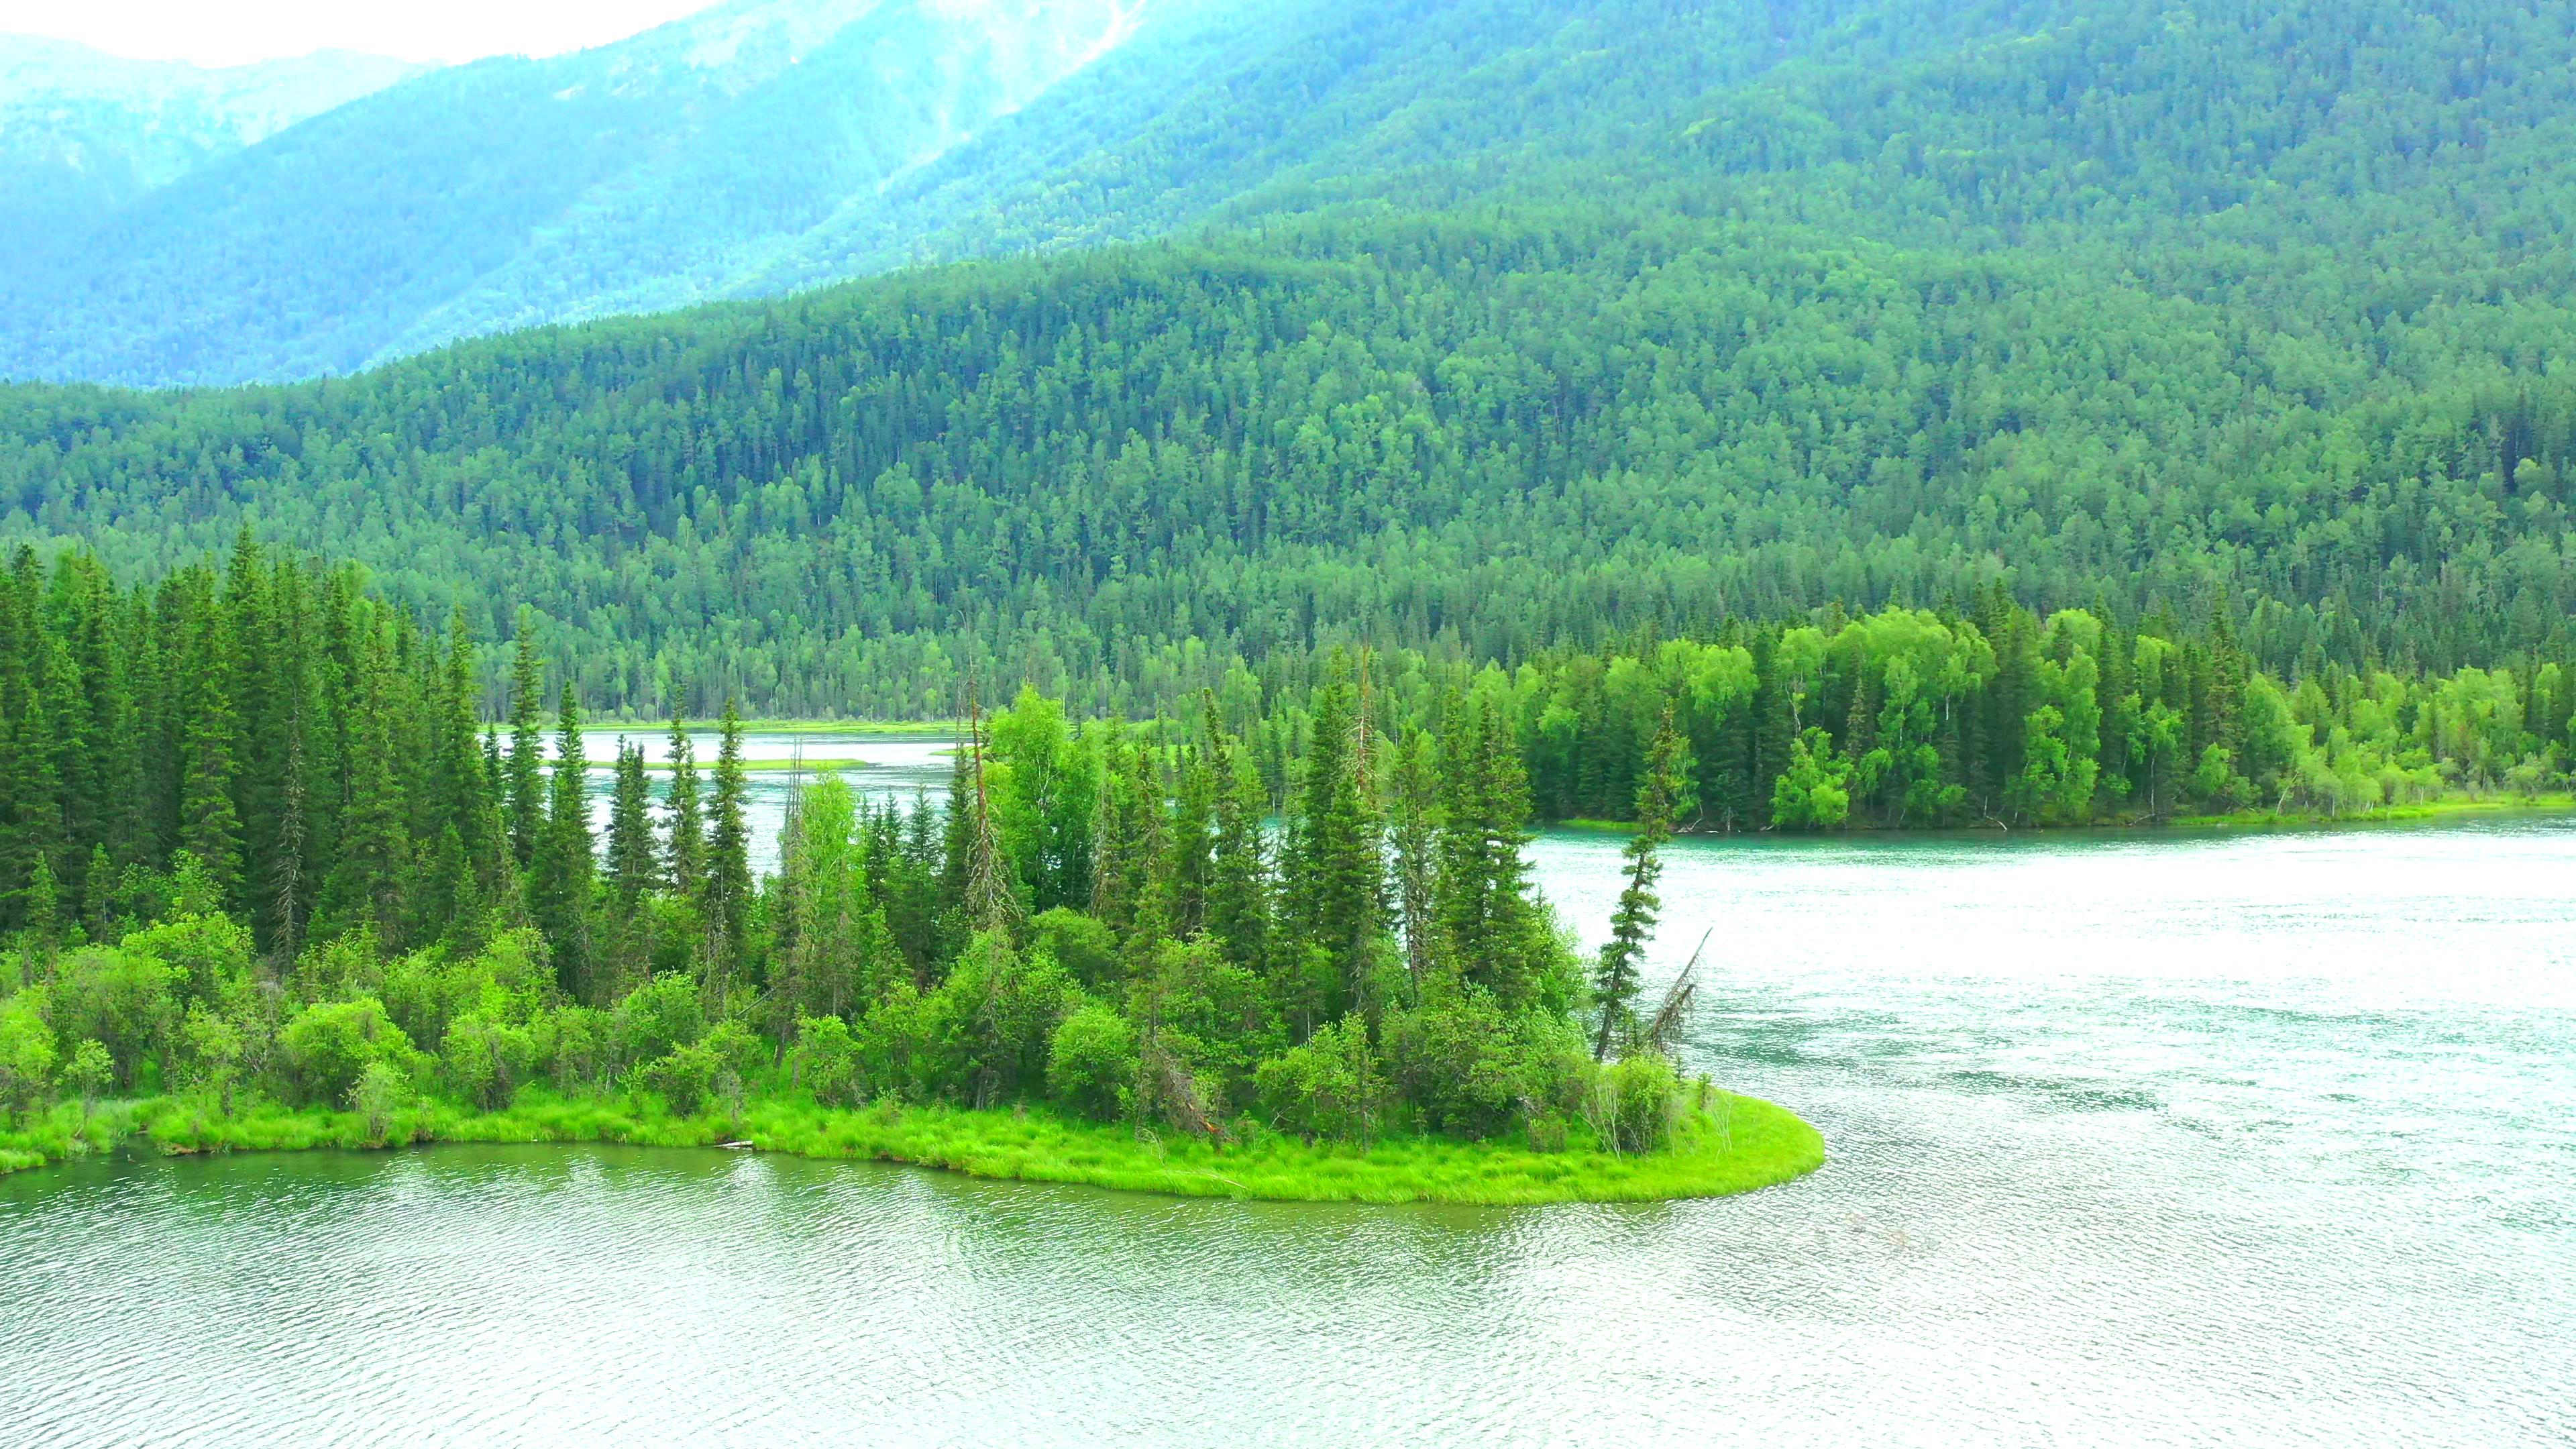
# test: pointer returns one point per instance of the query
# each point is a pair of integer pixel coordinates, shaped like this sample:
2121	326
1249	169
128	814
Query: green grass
811	766
1735	1144
896	728
2447	807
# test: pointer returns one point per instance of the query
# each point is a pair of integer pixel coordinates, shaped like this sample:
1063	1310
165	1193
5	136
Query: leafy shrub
210	1053
483	1062
657	1018
1634	1102
1084	946
205	954
379	1092
1329	1087
330	1046
27	1054
1091	1061
704	1072
826	1061
120	999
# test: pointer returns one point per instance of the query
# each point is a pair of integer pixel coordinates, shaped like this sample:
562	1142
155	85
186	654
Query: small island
323	905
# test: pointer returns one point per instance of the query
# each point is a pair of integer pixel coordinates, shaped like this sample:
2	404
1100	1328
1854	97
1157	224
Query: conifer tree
685	855
367	885
726	897
1485	912
209	828
562	875
1239	896
1413	835
632	865
1632	920
526	771
1336	872
1191	858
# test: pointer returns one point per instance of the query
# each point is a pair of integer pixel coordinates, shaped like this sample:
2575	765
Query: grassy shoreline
2447	808
1736	1144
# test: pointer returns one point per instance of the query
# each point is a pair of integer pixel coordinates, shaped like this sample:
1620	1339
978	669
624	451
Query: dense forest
259	845
257	834
2245	314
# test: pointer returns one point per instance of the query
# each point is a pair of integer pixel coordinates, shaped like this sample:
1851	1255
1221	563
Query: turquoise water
2264	1139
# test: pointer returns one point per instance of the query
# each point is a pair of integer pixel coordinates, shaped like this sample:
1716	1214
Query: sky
231	32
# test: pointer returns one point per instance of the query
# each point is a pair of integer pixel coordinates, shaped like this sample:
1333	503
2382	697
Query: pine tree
1336	869
725	900
1632	921
1239	896
562	875
367	884
1190	860
209	828
1485	911
1414	832
685	854
632	864
526	770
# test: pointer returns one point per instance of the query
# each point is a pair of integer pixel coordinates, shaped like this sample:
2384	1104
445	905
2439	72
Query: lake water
2266	1139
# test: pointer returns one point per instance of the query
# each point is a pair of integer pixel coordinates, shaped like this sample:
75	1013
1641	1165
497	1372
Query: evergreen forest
264	849
258	836
2250	315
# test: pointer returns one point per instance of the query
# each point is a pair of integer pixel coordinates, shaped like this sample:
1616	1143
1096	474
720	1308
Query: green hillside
1566	323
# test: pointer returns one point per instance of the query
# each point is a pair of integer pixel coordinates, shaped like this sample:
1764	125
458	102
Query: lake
2260	1139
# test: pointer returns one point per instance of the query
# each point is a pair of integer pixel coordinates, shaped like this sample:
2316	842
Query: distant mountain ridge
83	132
767	146
511	191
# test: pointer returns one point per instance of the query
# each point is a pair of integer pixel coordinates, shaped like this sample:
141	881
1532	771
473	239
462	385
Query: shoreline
1735	1145
2419	812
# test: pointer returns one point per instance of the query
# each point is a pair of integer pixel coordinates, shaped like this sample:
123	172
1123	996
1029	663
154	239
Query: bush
1091	1061
1634	1102
330	1046
1330	1087
210	1054
1473	1068
205	954
1085	947
908	1044
122	1000
27	1053
483	1062
658	1018
826	1061
379	1092
704	1072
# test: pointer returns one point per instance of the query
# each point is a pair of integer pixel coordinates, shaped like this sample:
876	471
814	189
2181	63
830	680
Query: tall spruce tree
526	769
633	865
725	898
562	875
1632	920
684	857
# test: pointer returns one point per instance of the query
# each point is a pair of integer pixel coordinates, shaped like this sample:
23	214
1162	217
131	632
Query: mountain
512	190
1485	328
773	144
83	133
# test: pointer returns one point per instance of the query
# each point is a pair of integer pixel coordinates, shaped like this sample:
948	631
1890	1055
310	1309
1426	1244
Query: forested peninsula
275	874
275	883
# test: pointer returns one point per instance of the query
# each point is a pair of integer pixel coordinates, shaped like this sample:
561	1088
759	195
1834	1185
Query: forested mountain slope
83	133
770	144
2251	311
514	190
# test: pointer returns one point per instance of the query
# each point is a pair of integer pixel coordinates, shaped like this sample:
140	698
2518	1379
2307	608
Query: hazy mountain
1513	324
771	145
83	132
508	191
